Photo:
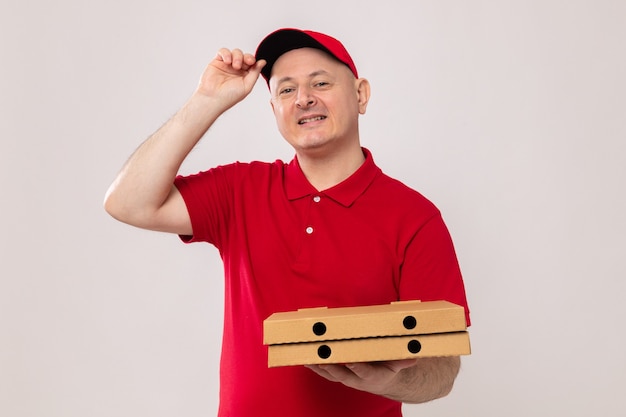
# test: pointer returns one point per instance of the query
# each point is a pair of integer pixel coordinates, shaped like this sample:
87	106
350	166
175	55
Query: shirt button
309	230
317	198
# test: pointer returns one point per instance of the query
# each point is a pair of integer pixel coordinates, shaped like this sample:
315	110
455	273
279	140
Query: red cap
284	40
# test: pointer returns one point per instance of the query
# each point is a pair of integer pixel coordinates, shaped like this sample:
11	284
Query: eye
321	84
286	90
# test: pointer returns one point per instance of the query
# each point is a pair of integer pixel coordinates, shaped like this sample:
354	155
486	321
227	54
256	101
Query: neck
326	171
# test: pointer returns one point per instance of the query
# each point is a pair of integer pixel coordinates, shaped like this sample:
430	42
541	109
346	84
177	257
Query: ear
363	94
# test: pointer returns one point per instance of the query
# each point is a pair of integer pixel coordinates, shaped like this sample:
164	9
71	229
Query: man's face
316	101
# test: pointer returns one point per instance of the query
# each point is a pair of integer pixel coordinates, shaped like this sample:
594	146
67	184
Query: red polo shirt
368	240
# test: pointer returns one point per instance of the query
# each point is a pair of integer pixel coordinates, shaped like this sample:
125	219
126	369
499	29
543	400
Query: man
327	229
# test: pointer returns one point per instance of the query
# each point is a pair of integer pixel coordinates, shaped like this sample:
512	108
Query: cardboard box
395	319
369	349
399	330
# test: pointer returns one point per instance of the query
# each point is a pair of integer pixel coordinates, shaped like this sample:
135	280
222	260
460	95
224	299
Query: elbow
123	208
114	206
110	206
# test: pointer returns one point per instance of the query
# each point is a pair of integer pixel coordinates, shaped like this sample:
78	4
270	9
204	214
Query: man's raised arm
143	193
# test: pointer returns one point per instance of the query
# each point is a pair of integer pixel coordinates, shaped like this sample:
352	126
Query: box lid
395	319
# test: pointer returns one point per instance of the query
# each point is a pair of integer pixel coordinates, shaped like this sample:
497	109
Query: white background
509	115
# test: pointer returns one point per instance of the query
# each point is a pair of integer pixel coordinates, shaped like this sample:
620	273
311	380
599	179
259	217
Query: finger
249	60
341	373
321	372
365	370
362	370
329	372
237	59
255	70
225	55
253	73
397	366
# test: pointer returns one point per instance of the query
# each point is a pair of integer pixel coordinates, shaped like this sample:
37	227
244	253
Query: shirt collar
345	193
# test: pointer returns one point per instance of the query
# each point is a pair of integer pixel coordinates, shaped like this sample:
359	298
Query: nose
304	99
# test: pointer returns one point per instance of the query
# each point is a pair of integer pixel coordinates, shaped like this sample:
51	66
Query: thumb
254	71
259	65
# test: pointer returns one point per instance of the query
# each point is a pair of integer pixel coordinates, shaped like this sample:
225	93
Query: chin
314	146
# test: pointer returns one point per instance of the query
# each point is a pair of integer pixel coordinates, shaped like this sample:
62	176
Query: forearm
429	379
143	193
146	179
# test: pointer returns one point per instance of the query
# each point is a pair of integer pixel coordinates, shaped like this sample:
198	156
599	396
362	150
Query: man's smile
311	119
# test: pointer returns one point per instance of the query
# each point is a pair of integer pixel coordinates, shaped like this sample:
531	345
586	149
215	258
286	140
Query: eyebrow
311	75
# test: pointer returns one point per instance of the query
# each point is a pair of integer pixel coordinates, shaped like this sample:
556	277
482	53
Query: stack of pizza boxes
400	330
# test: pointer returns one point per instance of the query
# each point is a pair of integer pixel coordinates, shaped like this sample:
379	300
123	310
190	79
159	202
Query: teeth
312	119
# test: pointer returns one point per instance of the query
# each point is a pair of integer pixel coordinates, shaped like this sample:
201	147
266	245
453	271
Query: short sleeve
430	270
208	196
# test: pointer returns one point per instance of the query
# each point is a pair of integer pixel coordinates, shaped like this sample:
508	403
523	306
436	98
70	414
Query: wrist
202	109
214	101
